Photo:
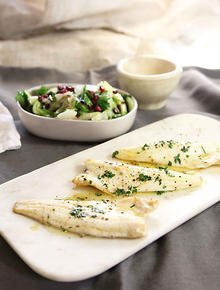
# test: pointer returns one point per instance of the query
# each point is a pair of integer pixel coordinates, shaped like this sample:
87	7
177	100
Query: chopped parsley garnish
64	230
115	153
185	148
121	191
158	179
163	168
93	216
145	146
203	150
166	171
78	212
133	189
80	198
169	163
107	174
177	159
162	143
98	194
159	192
143	177
96	209
170	144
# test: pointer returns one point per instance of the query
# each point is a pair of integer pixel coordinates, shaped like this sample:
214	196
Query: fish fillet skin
173	153
95	218
124	179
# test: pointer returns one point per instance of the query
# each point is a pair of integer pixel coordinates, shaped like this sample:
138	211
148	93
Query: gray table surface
186	258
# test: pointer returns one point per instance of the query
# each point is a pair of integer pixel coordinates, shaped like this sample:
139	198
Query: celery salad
103	102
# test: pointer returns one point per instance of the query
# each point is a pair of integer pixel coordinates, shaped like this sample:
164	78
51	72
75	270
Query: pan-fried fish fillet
124	179
173	153
122	219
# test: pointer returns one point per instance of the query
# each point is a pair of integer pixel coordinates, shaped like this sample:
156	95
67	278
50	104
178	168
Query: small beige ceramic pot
149	78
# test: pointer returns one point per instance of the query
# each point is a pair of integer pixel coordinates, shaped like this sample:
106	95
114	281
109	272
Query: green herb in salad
102	102
22	98
41	91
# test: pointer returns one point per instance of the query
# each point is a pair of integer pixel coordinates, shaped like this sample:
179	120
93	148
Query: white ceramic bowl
150	79
76	130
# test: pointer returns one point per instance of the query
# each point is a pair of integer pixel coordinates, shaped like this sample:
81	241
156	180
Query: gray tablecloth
187	258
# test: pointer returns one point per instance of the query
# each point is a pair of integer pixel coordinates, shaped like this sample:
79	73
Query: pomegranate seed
41	98
98	108
102	90
47	106
60	87
95	98
115	92
70	89
63	91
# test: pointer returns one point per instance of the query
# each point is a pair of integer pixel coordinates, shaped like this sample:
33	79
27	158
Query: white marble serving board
67	257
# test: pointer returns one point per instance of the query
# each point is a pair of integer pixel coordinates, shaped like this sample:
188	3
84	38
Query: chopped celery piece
130	102
87	101
123	108
105	85
38	110
82	107
68	114
32	99
95	116
112	103
118	99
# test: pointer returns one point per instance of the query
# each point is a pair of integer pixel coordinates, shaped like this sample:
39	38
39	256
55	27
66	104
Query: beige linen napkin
9	137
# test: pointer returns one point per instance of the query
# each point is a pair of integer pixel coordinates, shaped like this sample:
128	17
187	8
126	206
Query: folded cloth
9	137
